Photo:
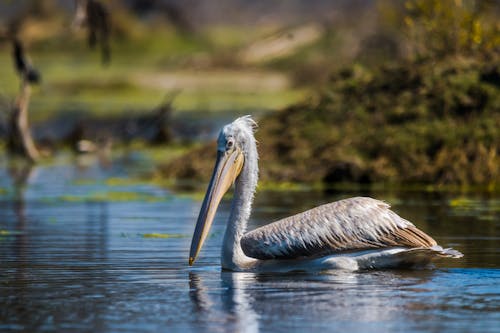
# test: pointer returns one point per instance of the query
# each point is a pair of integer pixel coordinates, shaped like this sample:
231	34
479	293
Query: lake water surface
84	249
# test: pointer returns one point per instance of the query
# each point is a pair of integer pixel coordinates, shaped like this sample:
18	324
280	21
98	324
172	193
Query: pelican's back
347	225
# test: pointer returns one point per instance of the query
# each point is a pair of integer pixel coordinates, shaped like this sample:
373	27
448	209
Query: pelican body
353	234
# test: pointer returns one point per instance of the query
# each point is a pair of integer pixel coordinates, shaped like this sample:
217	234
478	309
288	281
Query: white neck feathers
232	256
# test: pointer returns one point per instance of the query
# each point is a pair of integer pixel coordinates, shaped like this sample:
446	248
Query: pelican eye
229	144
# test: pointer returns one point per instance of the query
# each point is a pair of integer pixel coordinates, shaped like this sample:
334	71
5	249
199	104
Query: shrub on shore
427	123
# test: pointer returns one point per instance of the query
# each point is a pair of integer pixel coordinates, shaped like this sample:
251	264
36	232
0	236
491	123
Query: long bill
227	168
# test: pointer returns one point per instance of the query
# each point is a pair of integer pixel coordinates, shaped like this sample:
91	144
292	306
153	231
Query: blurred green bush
432	117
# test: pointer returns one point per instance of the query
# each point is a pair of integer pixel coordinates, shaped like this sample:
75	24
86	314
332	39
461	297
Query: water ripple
87	265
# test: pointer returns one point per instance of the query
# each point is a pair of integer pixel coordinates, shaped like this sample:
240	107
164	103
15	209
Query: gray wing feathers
345	225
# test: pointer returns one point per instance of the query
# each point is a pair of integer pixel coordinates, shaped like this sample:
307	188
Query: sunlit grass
73	78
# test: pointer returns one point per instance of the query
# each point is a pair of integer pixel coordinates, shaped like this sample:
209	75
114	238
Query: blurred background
378	91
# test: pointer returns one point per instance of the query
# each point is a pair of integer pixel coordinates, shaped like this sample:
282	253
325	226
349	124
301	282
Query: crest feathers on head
248	122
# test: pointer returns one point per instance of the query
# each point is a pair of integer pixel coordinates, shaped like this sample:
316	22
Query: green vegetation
7	235
441	28
112	196
120	88
163	236
483	210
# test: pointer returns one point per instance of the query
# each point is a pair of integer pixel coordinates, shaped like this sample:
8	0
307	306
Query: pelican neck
232	256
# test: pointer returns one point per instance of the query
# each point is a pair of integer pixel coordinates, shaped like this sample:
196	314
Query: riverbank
433	122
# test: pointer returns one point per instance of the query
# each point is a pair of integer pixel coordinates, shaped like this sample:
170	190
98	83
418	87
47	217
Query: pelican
351	234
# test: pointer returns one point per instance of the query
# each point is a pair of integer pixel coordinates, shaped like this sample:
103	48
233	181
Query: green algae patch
70	198
117	181
128	196
195	195
485	210
474	204
463	203
9	233
285	186
113	196
163	236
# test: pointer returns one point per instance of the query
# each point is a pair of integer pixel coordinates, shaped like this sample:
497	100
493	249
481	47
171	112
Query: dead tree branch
19	139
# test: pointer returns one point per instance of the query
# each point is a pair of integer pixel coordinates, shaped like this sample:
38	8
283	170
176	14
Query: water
83	249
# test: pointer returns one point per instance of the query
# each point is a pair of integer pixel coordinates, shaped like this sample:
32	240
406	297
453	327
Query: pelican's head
235	141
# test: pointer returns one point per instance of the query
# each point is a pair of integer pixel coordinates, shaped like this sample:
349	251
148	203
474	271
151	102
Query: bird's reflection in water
337	296
198	294
235	309
249	302
238	300
20	172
